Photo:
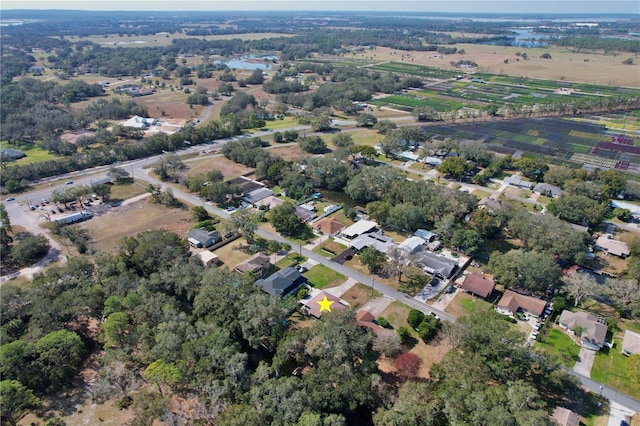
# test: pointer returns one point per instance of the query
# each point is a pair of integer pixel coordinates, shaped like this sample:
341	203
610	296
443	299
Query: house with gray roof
203	238
435	265
547	190
518	182
257	194
631	343
592	328
282	282
377	240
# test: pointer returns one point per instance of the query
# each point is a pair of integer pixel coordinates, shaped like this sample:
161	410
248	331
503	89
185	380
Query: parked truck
72	218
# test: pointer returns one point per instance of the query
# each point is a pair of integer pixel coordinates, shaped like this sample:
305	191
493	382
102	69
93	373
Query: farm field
160	39
582	141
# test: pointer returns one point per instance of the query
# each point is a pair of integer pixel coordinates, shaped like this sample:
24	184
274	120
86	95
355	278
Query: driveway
585	362
618	413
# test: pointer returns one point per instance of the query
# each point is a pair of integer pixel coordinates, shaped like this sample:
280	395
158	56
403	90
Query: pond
250	62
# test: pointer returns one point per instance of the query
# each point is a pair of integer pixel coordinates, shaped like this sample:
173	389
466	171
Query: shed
412	244
630	343
208	258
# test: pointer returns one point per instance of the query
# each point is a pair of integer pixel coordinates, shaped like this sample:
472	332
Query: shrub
382	322
405	335
414	318
407	365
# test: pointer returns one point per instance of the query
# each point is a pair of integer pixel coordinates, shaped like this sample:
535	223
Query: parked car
60	210
52	211
69	182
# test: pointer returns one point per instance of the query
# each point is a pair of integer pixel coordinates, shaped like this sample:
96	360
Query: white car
10	199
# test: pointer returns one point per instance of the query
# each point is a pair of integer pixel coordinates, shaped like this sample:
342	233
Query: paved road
611	394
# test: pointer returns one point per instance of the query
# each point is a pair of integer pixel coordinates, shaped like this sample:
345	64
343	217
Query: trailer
72	218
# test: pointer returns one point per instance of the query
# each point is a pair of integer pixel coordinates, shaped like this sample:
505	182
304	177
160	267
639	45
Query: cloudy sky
473	6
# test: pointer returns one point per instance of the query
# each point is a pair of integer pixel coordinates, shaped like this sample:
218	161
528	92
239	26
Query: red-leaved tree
407	365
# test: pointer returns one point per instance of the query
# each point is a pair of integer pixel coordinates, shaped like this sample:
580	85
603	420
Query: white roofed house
360	227
376	240
138	122
617	248
412	244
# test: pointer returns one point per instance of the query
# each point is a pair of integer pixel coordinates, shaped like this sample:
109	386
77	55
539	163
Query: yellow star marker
325	304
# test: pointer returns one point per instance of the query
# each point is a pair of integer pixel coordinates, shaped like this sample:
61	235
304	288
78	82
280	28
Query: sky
471	6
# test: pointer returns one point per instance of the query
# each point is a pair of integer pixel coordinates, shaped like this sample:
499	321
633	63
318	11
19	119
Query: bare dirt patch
108	228
289	153
358	295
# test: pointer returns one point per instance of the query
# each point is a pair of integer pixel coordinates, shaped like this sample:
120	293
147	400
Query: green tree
366	120
525	269
15	399
342	140
372	259
245	223
162	374
466	240
29	250
200	214
59	355
285	221
313	145
115	329
454	167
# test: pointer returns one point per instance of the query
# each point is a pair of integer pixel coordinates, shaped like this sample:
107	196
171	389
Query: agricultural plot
416	70
577	140
413	100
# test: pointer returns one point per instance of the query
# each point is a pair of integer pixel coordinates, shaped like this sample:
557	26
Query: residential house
594	328
412	244
518	182
435	265
617	248
138	122
312	306
478	285
547	190
257	195
428	236
360	227
246	185
490	204
11	154
269	202
565	417
328	226
255	265
208	258
377	240
631	343
512	302
366	319
304	213
283	282
203	238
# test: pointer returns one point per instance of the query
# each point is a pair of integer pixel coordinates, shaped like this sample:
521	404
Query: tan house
617	248
256	264
512	302
566	417
314	305
630	343
328	226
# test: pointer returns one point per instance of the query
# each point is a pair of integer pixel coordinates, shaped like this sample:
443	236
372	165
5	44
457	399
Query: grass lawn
34	154
127	190
612	368
463	304
481	194
230	255
358	295
320	277
559	345
330	248
289	259
279	124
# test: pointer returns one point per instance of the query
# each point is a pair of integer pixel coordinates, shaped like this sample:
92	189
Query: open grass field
228	168
126	191
108	228
565	65
559	345
320	277
34	154
231	254
329	248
